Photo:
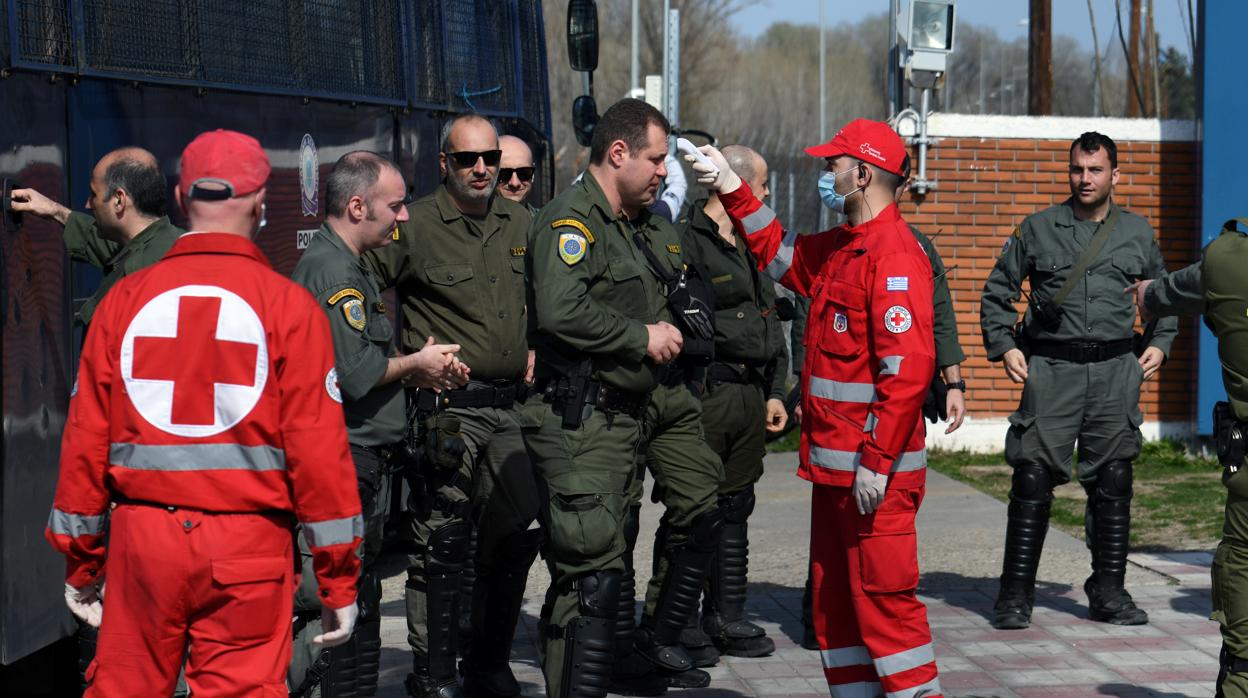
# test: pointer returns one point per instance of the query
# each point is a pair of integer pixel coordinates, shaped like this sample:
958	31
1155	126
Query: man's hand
1138	289
777	416
436	367
868	489
797	415
32	202
85	603
723	181
529	366
955	408
664	342
336	625
1150	361
1015	365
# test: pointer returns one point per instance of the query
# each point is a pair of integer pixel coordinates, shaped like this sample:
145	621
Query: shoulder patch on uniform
898	319
573	223
353	311
571	248
674	249
331	385
518	251
346	293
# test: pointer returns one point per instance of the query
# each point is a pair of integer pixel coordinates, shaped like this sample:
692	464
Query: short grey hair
354	174
444	140
743	160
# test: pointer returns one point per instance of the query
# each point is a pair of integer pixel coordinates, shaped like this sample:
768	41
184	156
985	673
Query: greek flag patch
898	283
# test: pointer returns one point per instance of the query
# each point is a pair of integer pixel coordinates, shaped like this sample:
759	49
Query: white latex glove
85	603
336	625
723	181
868	489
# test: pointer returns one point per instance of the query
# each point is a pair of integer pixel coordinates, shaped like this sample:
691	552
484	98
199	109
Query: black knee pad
447	549
1114	479
705	528
737	506
1032	484
598	593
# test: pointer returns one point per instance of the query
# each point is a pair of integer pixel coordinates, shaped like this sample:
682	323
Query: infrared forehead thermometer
684	146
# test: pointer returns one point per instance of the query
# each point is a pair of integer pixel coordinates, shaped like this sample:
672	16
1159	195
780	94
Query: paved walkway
960	536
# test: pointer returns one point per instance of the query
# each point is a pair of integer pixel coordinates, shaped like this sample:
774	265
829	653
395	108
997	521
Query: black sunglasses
468	158
524	173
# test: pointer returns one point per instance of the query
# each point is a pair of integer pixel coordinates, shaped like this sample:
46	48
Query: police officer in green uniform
597	326
743	398
128	229
1081	380
458	268
1217	287
687	474
364	201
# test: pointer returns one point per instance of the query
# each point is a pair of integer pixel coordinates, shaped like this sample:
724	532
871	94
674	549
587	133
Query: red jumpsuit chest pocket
843	325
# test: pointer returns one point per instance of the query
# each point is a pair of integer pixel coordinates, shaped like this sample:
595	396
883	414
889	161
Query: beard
463	190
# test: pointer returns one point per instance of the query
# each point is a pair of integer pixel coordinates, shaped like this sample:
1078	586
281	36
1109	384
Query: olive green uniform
363	341
1218	287
460	279
1083	387
590	296
84	244
1095	403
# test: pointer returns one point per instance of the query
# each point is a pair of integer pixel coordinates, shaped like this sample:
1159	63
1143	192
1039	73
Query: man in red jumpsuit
869	361
207	413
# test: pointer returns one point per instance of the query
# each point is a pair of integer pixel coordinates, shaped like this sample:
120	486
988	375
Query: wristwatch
960	385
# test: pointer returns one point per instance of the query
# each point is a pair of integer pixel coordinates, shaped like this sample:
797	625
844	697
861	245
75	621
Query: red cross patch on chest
194	360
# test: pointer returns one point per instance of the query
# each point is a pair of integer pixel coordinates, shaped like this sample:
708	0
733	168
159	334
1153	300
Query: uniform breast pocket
628	287
448	274
1130	266
843	327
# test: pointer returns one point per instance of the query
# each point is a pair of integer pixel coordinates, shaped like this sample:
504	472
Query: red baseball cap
230	163
869	141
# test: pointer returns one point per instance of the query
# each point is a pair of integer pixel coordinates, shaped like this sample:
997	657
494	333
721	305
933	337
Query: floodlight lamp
931	34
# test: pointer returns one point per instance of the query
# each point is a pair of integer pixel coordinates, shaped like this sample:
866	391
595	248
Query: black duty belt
499	394
604	397
671	375
1081	352
720	372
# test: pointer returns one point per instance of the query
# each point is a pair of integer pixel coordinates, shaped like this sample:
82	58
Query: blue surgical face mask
827	190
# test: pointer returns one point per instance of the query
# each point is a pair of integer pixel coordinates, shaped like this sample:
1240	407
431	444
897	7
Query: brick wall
987	184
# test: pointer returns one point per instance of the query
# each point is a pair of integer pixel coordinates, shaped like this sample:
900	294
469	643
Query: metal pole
823	104
635	81
792	199
673	67
921	184
667	53
775	180
894	6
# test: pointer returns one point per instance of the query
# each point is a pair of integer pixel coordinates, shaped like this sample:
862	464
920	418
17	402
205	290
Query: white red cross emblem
897	319
194	360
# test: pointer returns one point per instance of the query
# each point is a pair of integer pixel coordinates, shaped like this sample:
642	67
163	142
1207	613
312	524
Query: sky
1008	17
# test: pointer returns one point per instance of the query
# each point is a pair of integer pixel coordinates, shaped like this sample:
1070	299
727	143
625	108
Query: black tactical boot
1108	524
723	615
420	685
1030	498
500	594
631	673
698	644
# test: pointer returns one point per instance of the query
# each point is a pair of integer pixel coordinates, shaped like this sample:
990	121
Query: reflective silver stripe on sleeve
320	534
845	656
848	461
779	265
890	365
191	457
862	393
861	689
758	220
905	661
63	523
872	420
931	688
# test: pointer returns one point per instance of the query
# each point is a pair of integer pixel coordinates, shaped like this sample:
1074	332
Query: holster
1230	437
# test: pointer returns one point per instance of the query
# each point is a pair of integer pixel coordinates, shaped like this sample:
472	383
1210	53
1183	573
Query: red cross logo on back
195	360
